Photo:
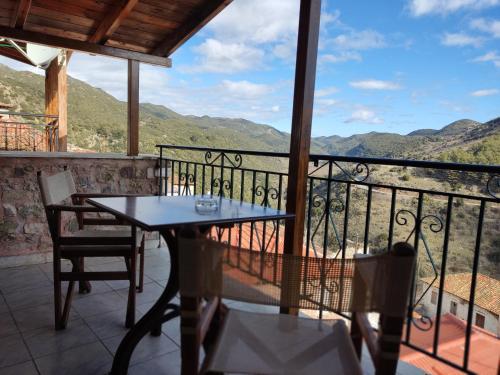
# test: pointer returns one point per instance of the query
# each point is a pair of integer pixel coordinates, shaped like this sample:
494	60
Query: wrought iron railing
450	213
28	132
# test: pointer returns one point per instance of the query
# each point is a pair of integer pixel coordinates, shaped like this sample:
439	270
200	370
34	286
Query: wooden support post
303	98
133	108
56	97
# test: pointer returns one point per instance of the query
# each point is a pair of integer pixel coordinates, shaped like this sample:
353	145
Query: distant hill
97	121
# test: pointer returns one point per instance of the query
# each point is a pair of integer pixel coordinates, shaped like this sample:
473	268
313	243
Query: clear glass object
206	205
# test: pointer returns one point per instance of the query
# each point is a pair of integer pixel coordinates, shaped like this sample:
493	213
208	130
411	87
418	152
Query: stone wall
24	236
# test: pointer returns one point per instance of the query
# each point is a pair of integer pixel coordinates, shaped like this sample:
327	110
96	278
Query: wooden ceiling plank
61	42
75	9
58	23
138	35
59	15
55	31
152	20
127	46
205	13
21	14
112	21
165	10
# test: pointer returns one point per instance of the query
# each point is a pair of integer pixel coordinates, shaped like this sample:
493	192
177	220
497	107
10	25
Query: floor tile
109	324
7	325
157	272
151	293
25	368
13	350
172	330
98	287
148	348
38	317
22	278
22	299
90	359
3	305
48	268
96	304
47	340
124	284
167	364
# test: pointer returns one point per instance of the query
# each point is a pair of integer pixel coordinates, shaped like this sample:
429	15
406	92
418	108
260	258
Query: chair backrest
375	283
56	188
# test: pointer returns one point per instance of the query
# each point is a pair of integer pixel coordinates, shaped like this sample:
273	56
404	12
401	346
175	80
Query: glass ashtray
206	205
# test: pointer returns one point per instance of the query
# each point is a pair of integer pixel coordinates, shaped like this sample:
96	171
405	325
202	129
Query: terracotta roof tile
487	289
484	350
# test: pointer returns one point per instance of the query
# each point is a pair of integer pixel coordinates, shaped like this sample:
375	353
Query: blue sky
389	65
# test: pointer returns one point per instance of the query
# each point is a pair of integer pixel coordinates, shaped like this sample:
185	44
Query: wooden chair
257	343
59	195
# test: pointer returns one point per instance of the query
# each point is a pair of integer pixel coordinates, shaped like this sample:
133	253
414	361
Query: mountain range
97	121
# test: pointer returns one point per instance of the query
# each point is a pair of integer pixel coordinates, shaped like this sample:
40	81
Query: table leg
152	320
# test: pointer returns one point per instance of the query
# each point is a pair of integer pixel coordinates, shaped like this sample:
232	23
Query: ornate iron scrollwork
360	172
234	161
266	194
493	186
334	205
222	185
186	179
435	225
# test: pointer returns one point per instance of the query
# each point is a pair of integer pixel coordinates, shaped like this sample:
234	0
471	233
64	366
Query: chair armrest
368	333
74	208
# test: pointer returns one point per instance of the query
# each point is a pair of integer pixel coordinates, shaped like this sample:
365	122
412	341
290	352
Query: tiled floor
30	345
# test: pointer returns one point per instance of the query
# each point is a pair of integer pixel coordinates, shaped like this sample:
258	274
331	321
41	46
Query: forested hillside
97	121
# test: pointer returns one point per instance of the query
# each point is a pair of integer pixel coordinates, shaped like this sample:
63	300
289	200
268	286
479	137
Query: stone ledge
74	155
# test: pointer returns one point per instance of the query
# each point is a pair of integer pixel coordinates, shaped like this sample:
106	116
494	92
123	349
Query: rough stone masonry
24	235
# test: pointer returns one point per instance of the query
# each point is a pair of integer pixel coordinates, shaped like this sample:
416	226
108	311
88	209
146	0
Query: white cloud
275	108
364	115
488	26
286	50
341	57
326	91
327	102
485	92
218	57
359	40
491	56
424	7
105	73
460	40
373	84
256	22
245	89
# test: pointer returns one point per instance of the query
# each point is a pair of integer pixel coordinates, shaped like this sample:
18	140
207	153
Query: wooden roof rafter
72	44
20	14
144	30
199	19
112	21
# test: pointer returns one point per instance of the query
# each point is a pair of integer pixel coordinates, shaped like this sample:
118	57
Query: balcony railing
28	132
449	212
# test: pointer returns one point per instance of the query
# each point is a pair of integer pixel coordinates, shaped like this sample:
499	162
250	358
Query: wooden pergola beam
112	21
71	44
133	108
199	19
303	100
21	14
56	97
